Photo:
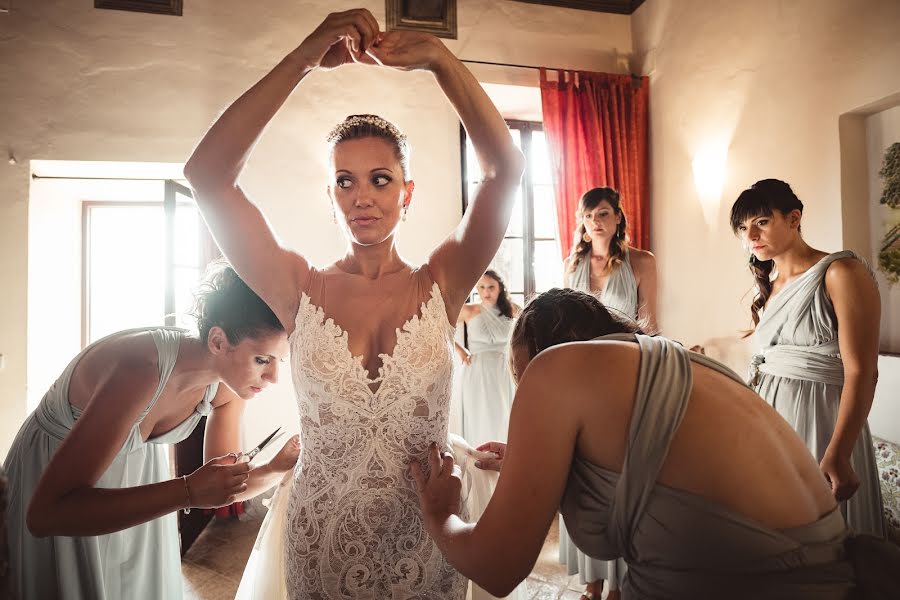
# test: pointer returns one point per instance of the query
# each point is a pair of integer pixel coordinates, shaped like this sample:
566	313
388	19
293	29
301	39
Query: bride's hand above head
340	39
406	51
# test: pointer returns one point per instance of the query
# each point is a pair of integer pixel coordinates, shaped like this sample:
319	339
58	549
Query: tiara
338	133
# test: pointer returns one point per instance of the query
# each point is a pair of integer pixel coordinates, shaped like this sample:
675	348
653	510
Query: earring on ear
586	238
403	214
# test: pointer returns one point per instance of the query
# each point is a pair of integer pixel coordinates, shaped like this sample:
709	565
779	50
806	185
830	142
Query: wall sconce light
709	178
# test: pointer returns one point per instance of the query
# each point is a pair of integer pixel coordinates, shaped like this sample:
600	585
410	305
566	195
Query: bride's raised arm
460	260
239	227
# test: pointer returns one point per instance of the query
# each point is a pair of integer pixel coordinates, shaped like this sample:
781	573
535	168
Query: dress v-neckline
794	281
403	332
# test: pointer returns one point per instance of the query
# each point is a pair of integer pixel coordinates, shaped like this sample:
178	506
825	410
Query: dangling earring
333	216
586	238
403	214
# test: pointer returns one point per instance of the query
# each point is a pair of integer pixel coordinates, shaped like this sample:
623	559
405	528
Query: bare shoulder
569	374
847	269
469	311
641	258
602	360
848	278
133	353
123	368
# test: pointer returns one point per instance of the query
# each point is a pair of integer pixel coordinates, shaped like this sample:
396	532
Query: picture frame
437	17
159	7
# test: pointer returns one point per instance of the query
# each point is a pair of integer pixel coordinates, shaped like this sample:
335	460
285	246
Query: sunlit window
529	256
130	279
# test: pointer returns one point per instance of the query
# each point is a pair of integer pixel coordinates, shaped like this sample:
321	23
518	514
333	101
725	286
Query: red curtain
596	126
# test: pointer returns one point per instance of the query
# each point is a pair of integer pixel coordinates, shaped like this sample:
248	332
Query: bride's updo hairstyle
560	315
357	127
225	300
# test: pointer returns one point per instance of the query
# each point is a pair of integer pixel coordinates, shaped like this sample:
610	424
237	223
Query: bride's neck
372	261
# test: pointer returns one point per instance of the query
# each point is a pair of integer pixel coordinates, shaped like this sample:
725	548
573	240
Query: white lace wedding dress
351	527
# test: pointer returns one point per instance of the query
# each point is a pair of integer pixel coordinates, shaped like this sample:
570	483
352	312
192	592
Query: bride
371	335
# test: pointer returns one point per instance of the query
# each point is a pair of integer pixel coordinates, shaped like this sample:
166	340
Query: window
529	256
141	262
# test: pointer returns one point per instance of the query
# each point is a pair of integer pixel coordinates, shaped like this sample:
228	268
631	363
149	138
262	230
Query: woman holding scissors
91	501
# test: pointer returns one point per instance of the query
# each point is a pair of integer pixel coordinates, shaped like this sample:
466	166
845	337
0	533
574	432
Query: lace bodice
354	525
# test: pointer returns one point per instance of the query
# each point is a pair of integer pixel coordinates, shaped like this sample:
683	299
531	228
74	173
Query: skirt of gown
811	408
264	576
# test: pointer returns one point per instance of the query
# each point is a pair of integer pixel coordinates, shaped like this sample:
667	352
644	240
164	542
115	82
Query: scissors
252	453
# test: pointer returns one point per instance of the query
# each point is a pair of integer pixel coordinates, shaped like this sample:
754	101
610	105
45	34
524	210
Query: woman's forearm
497	155
457	541
856	401
262	478
98	511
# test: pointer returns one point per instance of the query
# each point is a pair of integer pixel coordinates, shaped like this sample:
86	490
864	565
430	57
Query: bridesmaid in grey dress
817	321
604	264
645	466
92	504
624	278
486	386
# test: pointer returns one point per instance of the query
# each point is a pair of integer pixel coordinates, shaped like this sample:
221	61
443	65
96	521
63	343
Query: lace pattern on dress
354	525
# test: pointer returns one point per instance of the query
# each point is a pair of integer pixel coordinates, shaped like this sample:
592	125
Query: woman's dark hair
759	200
619	243
504	304
565	315
224	300
357	127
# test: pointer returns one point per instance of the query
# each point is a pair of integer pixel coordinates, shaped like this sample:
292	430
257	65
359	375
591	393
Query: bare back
731	448
134	354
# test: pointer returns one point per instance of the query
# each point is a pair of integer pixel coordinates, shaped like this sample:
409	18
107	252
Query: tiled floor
213	566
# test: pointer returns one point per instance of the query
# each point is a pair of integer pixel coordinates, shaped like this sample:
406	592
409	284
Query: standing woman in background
604	264
624	278
817	333
487	388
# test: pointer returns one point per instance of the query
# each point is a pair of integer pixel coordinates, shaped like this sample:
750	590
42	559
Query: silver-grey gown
139	562
798	370
680	546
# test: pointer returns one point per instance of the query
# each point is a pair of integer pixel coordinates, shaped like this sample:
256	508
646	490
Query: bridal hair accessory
340	131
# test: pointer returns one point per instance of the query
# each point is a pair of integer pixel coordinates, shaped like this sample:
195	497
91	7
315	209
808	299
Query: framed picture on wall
160	7
437	17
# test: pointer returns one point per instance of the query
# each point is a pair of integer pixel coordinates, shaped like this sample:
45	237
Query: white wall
78	83
884	418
